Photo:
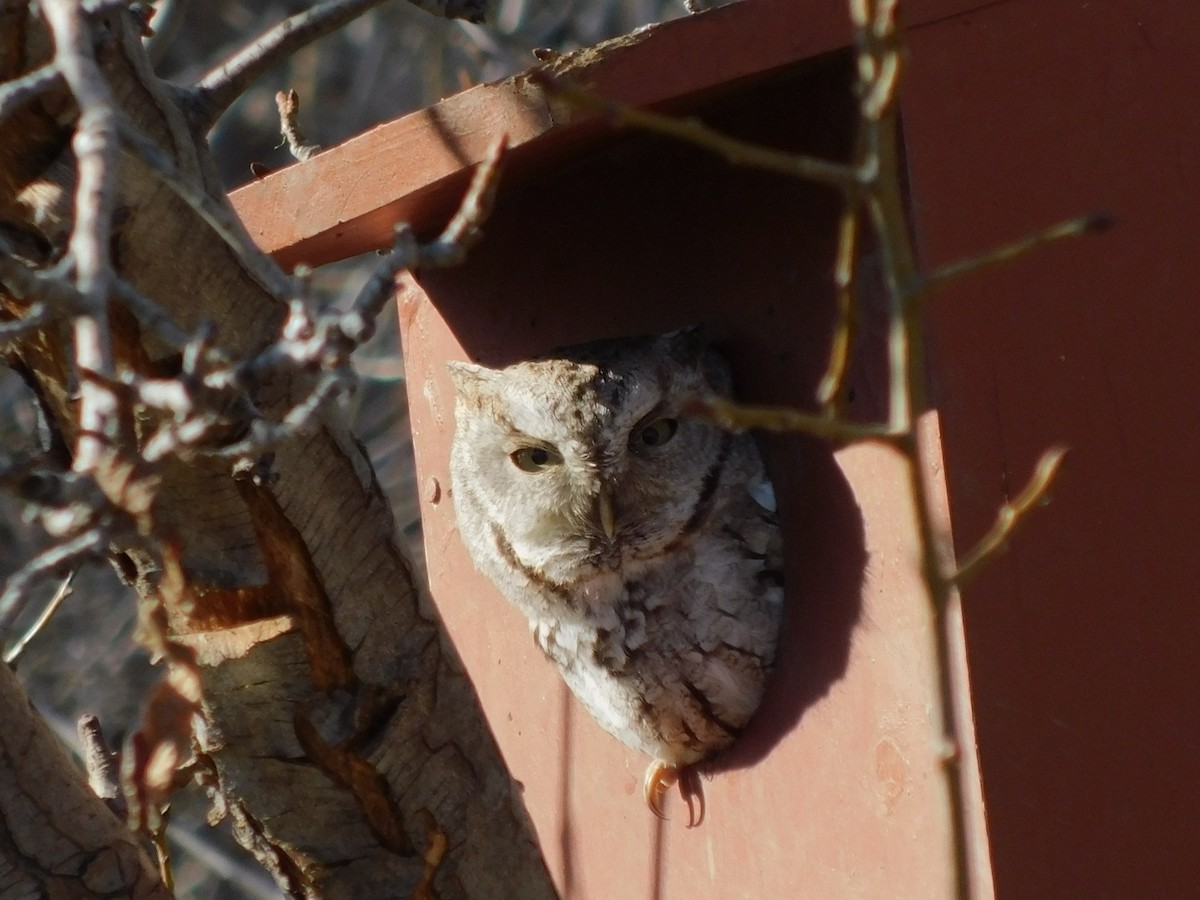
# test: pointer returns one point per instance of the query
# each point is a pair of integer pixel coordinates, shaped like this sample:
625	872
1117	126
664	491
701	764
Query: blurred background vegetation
390	61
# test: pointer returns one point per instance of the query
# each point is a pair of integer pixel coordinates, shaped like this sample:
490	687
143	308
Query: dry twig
217	90
288	104
1010	515
13	653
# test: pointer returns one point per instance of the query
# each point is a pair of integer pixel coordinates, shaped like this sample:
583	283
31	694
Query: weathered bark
336	729
56	838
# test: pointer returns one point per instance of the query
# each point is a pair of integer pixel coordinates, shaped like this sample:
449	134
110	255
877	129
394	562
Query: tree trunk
327	711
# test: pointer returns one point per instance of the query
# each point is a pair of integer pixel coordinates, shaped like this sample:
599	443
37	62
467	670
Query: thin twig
39	315
27	283
50	297
358	323
49	562
19	91
1094	223
300	418
1010	515
162	851
324	341
95	149
695	132
466	228
829	388
18	646
738	417
150	314
288	104
218	89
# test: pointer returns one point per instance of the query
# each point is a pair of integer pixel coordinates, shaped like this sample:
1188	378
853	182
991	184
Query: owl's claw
660	776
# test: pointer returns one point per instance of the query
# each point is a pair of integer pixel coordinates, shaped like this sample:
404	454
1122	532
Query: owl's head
584	460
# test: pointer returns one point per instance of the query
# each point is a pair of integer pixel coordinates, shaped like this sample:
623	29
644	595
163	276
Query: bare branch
217	90
288	104
214	400
737	417
149	313
302	417
845	269
1010	515
52	561
1094	223
39	315
27	283
693	131
358	323
15	93
325	341
64	590
96	154
95	149
464	230
50	296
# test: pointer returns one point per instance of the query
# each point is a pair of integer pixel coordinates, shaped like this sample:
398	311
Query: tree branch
695	132
217	90
738	417
288	104
18	646
96	149
1095	223
845	274
14	94
54	560
1010	515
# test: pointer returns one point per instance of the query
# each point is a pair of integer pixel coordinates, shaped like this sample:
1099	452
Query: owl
641	544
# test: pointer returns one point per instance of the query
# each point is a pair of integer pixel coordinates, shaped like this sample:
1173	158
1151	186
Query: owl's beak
604	513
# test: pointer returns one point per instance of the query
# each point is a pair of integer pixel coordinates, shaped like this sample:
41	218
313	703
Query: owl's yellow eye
534	459
656	433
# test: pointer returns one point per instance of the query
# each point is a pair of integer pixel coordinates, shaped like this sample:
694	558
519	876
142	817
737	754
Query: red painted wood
345	201
1083	637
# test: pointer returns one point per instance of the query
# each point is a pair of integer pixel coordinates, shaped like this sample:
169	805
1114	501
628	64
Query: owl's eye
656	433
534	459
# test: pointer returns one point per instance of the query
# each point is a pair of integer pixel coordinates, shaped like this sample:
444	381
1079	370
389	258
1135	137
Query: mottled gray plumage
641	544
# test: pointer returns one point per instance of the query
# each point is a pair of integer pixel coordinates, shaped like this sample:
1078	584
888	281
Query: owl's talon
659	777
692	792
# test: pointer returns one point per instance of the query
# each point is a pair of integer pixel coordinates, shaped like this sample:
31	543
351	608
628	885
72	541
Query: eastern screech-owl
641	544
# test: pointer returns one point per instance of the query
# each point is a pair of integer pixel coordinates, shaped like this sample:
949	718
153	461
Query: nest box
1079	645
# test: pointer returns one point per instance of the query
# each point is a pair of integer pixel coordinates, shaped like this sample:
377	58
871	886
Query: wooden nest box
1080	644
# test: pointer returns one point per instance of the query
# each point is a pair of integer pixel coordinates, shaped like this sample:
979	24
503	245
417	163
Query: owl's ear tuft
470	379
687	344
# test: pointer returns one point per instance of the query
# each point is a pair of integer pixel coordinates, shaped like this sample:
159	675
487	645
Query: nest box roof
345	201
